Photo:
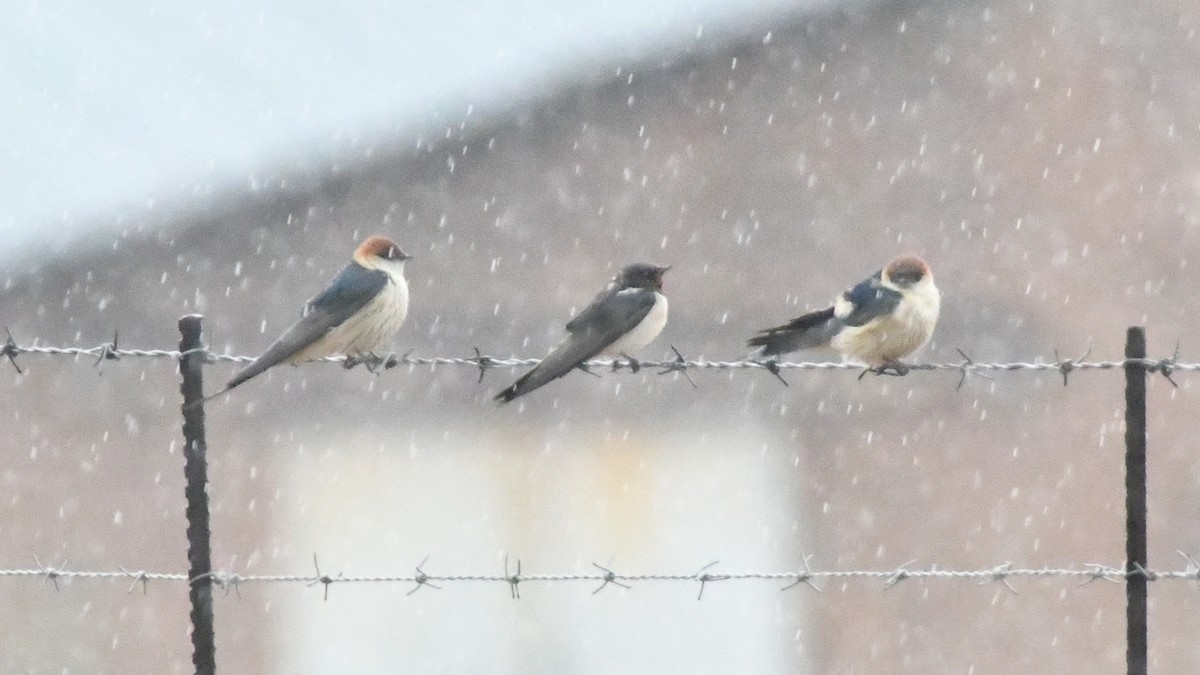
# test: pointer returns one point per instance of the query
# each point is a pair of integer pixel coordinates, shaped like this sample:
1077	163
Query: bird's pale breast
368	329
643	333
893	337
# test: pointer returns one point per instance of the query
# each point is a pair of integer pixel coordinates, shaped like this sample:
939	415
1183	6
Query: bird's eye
391	253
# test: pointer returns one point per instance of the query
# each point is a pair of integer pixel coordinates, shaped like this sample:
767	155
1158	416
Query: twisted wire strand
482	361
999	573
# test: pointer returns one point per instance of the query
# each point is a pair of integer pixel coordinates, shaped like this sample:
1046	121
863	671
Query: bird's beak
663	270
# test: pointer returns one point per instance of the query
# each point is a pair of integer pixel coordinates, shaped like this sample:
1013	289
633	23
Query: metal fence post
1135	502
195	469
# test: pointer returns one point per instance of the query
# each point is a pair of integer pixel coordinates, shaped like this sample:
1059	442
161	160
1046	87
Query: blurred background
227	158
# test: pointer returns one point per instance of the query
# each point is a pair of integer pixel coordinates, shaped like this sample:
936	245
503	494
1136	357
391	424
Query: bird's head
906	271
640	275
377	252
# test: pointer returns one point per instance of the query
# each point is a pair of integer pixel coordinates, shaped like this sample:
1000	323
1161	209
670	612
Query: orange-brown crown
378	247
907	269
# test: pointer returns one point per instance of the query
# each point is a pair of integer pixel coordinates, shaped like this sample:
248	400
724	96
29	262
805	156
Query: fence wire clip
513	579
610	577
323	578
1148	575
422	579
902	572
49	573
804	577
678	365
1000	573
704	577
10	350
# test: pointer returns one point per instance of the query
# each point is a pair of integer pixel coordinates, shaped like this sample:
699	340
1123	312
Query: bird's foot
893	368
375	363
370	360
633	364
587	368
772	366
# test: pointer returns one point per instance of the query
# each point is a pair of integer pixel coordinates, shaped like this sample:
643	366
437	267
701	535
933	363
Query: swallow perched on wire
626	316
363	306
880	321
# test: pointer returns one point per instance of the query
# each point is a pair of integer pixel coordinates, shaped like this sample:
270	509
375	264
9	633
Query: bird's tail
255	368
224	390
521	387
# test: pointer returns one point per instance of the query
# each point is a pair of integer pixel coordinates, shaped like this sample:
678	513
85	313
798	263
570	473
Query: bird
363	306
627	315
876	323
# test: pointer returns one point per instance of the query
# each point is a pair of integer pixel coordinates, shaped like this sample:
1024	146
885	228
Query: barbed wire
110	351
1001	574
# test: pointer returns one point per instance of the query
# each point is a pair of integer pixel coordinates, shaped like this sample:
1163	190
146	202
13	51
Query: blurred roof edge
292	178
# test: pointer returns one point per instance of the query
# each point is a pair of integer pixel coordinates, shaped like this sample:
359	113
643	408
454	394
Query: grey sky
110	106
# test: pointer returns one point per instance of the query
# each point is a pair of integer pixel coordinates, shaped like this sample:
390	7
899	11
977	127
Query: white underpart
373	325
893	337
643	333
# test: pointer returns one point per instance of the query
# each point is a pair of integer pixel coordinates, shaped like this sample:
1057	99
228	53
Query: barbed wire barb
109	351
1098	572
1000	574
1065	366
228	579
138	577
900	574
1167	366
772	366
1193	567
50	573
804	577
704	577
422	579
11	350
610	577
679	365
323	578
514	579
481	361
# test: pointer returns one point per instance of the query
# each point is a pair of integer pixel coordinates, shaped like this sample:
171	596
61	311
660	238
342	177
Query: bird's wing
350	291
811	330
867	301
593	312
609	317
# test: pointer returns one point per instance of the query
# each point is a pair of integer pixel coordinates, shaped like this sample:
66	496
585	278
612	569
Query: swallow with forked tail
626	316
